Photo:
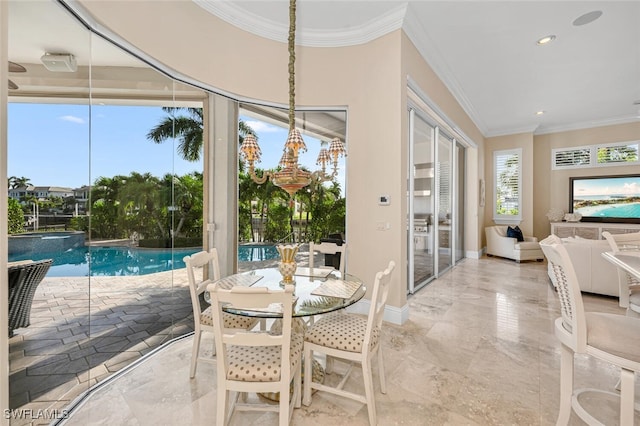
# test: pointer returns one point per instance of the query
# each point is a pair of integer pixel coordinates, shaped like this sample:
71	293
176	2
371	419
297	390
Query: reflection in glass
445	201
421	238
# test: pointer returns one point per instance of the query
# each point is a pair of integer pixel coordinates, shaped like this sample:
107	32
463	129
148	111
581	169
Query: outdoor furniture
354	339
24	278
197	264
328	248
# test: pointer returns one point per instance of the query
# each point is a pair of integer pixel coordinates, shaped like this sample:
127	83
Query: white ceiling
485	52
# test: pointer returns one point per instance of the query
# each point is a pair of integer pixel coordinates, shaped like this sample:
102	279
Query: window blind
507	169
603	155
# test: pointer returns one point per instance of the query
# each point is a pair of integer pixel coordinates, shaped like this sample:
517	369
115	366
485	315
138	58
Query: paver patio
85	329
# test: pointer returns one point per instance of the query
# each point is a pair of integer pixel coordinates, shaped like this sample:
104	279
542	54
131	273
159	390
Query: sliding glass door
459	157
435	200
421	201
445	200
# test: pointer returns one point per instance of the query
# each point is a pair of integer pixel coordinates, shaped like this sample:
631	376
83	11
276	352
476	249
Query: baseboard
474	254
392	314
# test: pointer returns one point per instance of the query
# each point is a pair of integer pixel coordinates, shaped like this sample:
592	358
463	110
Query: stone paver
84	329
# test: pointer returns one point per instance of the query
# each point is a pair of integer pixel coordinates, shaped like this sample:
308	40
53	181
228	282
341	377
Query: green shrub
15	217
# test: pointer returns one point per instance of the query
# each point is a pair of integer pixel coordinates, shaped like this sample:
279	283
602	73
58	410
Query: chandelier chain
292	61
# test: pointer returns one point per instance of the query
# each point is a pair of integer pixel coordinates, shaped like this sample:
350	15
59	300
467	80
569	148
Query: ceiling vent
59	62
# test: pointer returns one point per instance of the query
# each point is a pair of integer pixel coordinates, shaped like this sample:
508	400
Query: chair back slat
202	269
571	306
328	248
379	297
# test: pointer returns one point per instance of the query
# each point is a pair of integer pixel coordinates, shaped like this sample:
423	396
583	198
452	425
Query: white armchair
498	244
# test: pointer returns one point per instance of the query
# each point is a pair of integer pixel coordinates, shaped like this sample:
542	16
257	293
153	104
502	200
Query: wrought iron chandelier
289	175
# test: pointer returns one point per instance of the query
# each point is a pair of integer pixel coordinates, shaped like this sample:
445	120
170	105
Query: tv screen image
606	198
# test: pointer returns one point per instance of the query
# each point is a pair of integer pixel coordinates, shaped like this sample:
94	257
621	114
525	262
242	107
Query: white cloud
261	126
72	119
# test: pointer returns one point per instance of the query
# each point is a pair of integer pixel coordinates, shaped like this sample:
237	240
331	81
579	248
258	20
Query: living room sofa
595	274
498	244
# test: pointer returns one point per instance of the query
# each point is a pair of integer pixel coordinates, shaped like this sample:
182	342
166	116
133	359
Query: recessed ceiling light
587	18
546	40
540	112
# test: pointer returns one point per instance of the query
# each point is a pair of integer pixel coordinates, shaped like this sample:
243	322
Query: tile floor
72	344
478	349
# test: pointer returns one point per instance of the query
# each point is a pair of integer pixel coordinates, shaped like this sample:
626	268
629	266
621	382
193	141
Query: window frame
507	218
593	159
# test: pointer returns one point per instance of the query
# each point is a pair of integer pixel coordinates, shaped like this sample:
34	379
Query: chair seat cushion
616	334
230	320
343	331
261	363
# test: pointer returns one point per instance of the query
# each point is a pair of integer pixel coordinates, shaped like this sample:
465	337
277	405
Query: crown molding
241	18
512	131
588	124
430	53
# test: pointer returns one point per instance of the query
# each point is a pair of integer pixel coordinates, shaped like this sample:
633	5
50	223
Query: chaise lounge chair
24	278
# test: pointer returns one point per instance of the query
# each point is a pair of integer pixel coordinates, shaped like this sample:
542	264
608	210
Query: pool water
110	261
257	253
119	261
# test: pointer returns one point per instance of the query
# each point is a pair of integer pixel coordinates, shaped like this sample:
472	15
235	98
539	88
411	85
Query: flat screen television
614	198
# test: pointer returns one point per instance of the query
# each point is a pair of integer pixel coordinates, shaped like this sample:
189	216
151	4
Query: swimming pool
257	252
119	261
109	261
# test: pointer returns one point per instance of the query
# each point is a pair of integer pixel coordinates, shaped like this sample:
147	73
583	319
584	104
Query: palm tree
188	129
187	195
19	182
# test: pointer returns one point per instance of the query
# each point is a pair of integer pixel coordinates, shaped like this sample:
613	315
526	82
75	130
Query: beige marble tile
478	349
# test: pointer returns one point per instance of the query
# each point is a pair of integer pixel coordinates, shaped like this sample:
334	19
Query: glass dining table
628	260
317	291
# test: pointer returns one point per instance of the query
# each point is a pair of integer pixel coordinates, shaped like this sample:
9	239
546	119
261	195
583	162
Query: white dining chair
629	285
256	361
611	338
354	339
328	248
202	269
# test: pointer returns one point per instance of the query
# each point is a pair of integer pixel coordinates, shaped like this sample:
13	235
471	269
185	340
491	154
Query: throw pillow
515	233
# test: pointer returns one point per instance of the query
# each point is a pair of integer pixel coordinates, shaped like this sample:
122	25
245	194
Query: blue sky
49	144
